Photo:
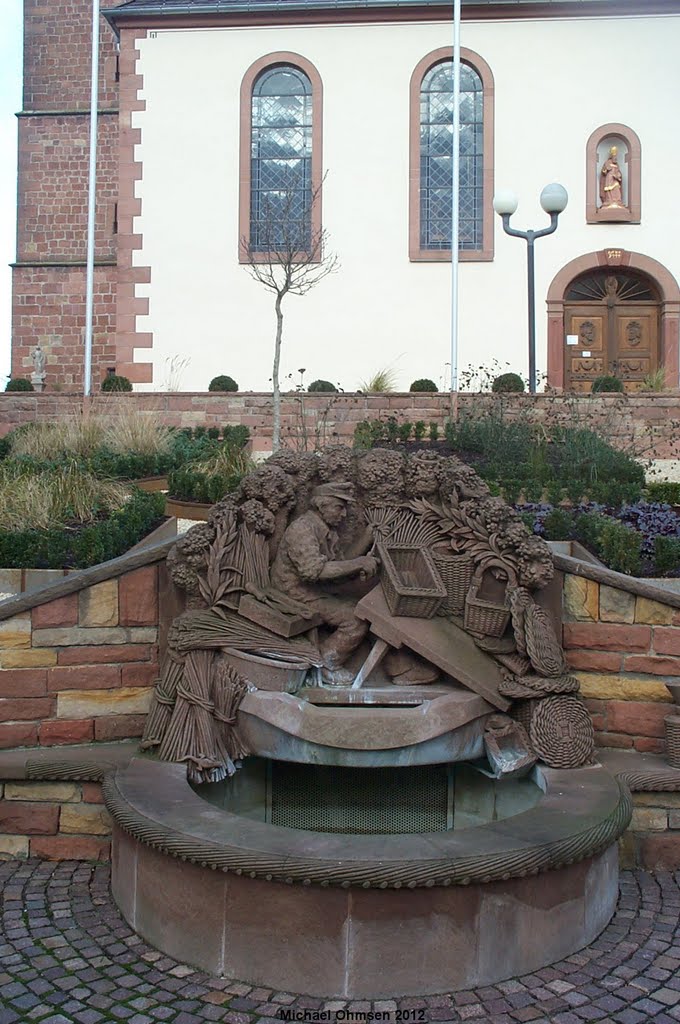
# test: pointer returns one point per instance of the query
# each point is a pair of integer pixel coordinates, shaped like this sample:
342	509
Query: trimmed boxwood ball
223	383
116	382
508	382
607	382
321	385
423	384
19	384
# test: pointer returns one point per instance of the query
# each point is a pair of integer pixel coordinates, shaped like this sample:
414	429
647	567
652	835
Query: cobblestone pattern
67	957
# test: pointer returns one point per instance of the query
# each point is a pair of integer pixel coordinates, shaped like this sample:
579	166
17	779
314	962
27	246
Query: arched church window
432	158
280	156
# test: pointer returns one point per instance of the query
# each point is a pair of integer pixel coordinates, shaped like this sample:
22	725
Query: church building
233	130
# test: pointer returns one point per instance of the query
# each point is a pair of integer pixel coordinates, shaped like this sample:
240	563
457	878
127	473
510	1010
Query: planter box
151	484
187	509
573	549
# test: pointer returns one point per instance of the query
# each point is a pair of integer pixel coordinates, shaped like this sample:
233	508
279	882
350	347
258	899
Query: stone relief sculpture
325	571
611	181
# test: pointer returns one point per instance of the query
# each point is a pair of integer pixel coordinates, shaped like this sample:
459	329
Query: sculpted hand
368	565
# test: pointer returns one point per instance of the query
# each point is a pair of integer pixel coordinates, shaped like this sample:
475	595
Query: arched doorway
612	312
611	319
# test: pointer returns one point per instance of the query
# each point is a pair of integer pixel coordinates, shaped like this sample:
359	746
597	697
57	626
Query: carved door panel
636	344
588	358
615	318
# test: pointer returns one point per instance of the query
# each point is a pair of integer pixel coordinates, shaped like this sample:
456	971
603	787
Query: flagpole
455	196
91	201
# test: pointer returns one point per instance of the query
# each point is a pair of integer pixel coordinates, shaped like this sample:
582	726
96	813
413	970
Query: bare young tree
288	255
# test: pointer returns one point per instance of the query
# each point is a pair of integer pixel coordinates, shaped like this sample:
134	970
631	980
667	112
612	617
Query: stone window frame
631	214
277	59
478	64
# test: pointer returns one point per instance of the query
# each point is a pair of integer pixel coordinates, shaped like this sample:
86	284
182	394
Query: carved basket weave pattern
672	724
456	574
487	618
410	581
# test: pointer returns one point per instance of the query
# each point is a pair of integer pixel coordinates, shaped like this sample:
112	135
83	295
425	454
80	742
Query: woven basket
522	712
456	575
672	724
487	618
561	732
410	581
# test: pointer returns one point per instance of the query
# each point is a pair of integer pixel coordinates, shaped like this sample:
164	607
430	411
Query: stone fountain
367	771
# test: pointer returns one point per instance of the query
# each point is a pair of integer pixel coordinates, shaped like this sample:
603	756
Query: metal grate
360	801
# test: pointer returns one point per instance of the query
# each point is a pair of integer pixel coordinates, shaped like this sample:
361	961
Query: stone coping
581	813
618	580
75	581
365	727
85	762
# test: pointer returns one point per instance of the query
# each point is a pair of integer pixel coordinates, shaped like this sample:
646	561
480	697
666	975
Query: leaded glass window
281	160
436	155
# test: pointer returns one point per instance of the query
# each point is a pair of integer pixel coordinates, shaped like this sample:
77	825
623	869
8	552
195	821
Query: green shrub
506	383
607	383
19	384
558	524
423	384
404	431
206	481
368	432
666	555
667	492
434	432
587	529
621	548
116	382
223	383
213	433
419	428
238	435
57	548
321	385
392	429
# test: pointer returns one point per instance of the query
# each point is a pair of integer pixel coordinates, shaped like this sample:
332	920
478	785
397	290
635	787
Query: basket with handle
410	581
484	617
456	575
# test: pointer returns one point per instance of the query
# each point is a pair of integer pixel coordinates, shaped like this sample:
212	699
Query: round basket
561	732
456	575
672	725
268	671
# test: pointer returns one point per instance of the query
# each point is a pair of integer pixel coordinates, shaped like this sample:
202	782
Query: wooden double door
612	326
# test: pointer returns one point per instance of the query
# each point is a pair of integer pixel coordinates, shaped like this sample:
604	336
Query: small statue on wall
38	375
611	181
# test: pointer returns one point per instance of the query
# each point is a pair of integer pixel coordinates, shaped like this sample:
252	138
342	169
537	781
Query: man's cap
343	491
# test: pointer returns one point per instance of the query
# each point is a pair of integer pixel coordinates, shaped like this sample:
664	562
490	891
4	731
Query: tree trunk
276	431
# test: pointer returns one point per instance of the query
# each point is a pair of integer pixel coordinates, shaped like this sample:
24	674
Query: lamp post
554	199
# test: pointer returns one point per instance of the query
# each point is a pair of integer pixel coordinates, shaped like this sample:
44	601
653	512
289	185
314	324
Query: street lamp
554	199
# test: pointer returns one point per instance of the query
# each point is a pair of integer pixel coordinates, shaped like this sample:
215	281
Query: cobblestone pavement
67	957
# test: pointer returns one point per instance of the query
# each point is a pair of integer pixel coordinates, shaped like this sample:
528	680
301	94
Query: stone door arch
663	294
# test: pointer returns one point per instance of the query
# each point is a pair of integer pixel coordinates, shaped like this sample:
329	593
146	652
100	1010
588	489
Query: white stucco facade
556	81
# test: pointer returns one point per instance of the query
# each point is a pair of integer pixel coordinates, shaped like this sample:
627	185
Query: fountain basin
365	916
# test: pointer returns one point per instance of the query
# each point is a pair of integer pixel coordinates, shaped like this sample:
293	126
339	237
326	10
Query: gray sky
10	102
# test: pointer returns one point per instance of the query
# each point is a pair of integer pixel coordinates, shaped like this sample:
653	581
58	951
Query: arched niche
628	156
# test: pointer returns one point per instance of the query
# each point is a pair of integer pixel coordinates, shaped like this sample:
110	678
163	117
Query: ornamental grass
65	495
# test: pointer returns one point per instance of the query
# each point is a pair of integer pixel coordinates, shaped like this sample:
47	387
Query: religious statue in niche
294	576
611	181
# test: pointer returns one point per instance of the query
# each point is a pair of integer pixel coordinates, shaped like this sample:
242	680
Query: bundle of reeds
228	690
191	735
209	630
163	700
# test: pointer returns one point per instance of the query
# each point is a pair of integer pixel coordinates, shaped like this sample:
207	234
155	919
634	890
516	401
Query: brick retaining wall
53	821
622	648
644	424
80	668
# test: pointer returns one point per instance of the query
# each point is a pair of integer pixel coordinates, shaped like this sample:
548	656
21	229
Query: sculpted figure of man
611	180
308	561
